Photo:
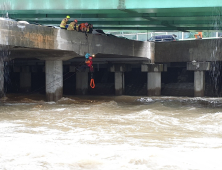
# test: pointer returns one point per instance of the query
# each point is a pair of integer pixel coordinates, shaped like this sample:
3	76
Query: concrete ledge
43	38
200	66
189	50
152	67
120	68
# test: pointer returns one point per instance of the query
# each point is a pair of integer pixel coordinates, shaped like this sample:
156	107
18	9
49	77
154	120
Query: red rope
92	84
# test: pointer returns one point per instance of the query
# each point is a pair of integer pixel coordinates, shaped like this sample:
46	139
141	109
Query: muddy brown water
108	132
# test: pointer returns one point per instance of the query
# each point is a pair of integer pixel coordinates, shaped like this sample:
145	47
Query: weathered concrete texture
152	67
82	83
199	83
151	52
120	68
40	37
187	51
54	80
1	78
154	83
41	54
200	66
119	83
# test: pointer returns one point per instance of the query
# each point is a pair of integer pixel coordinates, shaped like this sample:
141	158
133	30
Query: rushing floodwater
111	133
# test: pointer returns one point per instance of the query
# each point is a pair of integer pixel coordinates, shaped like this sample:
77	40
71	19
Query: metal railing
180	35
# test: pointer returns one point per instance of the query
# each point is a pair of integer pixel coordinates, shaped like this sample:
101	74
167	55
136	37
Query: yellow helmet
68	16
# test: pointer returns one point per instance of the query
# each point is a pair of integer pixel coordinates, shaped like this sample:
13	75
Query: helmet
68	16
75	20
86	24
87	55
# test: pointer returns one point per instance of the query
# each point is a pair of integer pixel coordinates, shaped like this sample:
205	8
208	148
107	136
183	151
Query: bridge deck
33	41
48	43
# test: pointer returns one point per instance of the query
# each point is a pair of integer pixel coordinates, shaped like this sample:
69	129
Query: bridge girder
141	15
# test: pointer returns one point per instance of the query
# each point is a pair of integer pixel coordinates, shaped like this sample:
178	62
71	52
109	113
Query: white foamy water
111	133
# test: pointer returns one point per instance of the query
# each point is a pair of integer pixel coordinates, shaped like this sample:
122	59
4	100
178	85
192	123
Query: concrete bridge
55	46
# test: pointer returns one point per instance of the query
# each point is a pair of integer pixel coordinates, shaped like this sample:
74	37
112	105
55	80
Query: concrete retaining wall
186	51
40	37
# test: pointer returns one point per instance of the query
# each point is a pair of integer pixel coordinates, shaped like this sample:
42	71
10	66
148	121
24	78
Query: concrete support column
25	79
199	83
199	69
1	78
154	83
82	83
153	77
119	70
119	83
54	80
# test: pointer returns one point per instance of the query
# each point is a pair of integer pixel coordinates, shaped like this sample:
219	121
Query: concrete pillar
25	79
119	83
199	69
82	83
199	83
54	80
154	83
1	78
153	77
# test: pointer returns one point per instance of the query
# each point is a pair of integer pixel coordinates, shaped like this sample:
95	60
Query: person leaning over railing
64	21
83	27
73	26
90	28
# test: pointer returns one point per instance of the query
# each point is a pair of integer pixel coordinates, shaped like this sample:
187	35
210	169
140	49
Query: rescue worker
89	62
64	21
73	26
83	27
87	56
90	28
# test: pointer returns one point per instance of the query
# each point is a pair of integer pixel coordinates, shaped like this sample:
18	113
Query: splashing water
4	52
216	65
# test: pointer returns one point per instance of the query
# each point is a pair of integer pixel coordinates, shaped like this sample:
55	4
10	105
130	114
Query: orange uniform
82	27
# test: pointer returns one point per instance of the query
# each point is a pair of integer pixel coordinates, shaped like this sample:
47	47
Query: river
108	132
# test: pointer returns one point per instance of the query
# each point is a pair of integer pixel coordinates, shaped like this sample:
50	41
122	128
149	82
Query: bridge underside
42	54
124	15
